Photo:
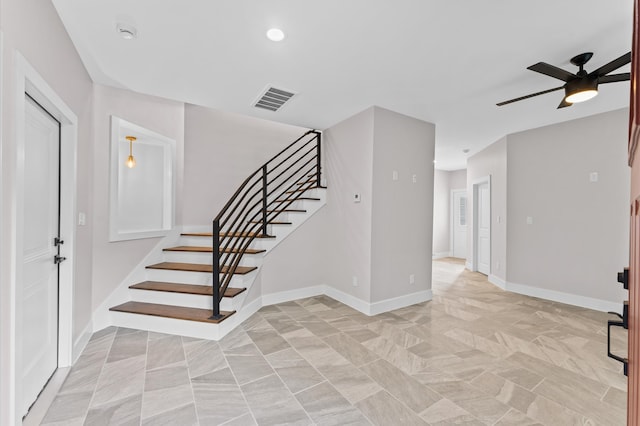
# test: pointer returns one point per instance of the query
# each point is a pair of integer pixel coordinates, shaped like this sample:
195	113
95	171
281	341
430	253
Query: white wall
221	144
443	183
402	211
458	179
113	261
579	236
32	28
492	161
441	213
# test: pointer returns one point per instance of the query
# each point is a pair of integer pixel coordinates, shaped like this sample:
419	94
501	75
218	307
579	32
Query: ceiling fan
580	86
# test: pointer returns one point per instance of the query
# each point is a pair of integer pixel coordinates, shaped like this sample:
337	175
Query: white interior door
39	303
483	240
459	224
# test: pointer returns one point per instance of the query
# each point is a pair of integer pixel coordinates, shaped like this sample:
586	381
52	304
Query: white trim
382	306
28	80
441	254
387	305
474	217
566	298
120	127
349	300
469	265
452	217
289	295
81	341
102	316
497	281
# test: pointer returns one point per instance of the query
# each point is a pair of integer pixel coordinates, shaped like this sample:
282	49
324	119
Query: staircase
202	286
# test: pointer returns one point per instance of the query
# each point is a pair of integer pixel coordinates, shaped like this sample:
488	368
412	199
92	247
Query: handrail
257	202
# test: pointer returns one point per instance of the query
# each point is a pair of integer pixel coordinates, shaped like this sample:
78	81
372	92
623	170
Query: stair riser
199	330
207	241
205	258
187	300
203	278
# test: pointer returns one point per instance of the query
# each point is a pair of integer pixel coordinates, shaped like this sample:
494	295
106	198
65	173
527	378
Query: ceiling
443	61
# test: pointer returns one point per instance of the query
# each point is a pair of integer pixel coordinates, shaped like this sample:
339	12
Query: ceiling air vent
273	99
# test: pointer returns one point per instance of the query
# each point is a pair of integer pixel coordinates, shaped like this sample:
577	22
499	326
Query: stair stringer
245	304
101	316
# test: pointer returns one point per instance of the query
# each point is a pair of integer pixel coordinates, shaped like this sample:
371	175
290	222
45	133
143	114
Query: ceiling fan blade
529	96
552	71
612	78
612	66
564	104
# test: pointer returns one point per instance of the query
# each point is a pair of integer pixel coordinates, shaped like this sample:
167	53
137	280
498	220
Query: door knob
623	278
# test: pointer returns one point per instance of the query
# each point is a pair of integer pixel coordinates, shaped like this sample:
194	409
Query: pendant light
131	162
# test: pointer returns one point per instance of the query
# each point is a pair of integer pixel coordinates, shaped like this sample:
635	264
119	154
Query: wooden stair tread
204	249
169	311
198	267
287	211
293	191
204	290
298	199
227	234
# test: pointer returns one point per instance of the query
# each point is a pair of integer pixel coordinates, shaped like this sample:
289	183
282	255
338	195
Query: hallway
473	355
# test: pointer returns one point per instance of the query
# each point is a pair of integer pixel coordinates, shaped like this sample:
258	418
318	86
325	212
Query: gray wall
402	211
221	144
113	261
32	27
349	170
579	236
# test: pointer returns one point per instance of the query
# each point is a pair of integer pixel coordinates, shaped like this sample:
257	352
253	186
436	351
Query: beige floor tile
382	409
473	355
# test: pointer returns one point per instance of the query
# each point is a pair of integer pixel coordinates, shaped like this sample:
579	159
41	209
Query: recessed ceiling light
275	34
127	32
466	150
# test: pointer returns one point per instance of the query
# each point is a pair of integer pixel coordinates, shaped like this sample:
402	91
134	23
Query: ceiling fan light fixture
580	90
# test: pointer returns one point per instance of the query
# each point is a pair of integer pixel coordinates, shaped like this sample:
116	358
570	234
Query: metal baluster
264	200
216	271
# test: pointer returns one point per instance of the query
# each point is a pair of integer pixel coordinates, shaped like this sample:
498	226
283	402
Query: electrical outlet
412	279
354	281
414	178
394	175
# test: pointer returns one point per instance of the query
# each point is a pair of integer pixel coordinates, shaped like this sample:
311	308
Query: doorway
40	115
482	225
459	223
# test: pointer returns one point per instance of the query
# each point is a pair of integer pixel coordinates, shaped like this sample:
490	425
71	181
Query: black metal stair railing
261	198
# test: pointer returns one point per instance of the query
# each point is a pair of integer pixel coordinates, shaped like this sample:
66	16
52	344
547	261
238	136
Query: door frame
473	265
28	80
452	220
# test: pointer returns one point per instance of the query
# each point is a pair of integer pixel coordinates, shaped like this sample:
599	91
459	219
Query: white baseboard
81	342
349	300
441	254
289	295
381	306
376	308
567	298
497	281
468	265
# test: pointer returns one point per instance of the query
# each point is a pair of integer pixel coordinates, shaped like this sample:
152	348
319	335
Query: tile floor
474	355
